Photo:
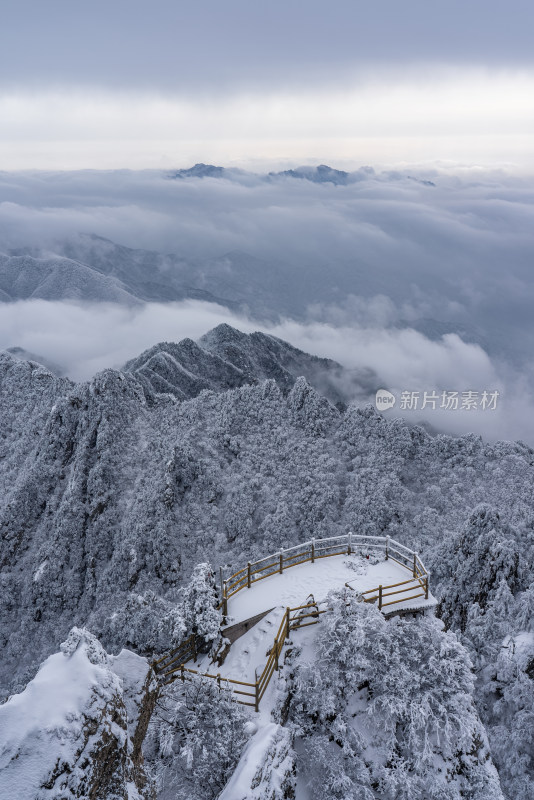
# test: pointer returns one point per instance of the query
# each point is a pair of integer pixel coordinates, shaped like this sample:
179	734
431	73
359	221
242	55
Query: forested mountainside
24	277
110	497
225	359
91	268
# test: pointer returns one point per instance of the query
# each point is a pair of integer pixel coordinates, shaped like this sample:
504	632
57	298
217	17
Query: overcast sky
132	84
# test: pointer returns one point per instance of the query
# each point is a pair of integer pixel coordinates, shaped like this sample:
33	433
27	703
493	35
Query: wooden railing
186	651
417	584
315	549
169	668
289	623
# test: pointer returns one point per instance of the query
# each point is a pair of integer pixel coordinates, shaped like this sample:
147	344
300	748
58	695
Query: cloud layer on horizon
133	85
458	253
467	114
425	284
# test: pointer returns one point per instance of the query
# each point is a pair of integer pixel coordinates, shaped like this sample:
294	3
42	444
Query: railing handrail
399	544
340	537
288	624
310	550
180	671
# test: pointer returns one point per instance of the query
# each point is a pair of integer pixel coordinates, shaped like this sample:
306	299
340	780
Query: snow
130	667
132	670
294	585
521	646
42	722
45	728
254	754
40	570
248	654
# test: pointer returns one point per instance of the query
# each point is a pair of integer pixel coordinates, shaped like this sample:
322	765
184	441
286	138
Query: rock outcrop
77	728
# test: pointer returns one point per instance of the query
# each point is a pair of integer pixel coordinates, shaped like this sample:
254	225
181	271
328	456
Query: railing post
221	578
257	695
225	598
349	549
182	672
387	547
380	597
313	550
194	647
281	561
426	587
248	574
276	654
287	623
415	565
219	680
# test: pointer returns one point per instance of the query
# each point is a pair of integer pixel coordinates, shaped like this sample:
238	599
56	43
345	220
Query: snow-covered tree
387	707
471	566
196	737
110	496
199	601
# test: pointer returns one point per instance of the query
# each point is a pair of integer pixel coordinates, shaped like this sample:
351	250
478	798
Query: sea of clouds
428	271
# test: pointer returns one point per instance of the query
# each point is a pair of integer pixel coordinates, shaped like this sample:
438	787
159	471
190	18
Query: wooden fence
417	585
315	549
172	666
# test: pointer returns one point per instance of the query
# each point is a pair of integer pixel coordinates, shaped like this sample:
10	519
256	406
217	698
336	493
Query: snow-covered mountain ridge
90	268
226	359
110	499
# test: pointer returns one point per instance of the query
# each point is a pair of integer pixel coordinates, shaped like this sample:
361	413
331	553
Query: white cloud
373	261
88	338
384	250
417	114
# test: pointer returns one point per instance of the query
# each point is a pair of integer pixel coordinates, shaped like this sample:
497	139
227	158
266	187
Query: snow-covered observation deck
378	568
262	613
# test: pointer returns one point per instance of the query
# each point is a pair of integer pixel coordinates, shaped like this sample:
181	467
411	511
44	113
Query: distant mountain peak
200	171
320	174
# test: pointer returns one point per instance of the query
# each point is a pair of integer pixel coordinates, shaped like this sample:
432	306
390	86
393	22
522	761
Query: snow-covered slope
91	268
237	280
56	278
360	707
70	733
106	499
24	355
383	709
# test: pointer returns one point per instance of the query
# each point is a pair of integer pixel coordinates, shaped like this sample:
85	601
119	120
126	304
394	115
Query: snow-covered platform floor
294	585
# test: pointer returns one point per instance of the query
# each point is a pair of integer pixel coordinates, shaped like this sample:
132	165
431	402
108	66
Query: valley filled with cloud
422	277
